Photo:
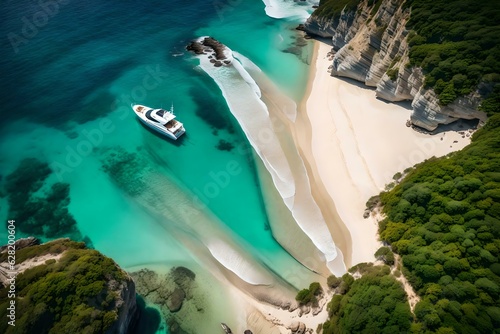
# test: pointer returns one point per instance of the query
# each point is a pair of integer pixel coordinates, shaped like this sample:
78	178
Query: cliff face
126	305
371	47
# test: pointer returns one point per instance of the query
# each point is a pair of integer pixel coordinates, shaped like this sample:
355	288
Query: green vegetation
309	296
397	176
333	8
40	210
374	303
392	73
491	104
333	282
48	248
444	220
71	295
456	43
373	202
386	255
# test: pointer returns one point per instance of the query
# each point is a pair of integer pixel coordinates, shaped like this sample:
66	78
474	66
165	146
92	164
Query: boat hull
157	127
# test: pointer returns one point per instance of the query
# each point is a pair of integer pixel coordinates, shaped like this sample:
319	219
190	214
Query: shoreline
351	152
345	137
302	132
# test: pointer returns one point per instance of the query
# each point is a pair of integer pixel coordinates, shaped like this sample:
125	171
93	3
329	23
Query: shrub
385	254
64	296
375	303
449	248
332	281
392	73
455	45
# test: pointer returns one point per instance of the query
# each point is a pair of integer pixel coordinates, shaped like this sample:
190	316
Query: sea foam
251	113
244	101
280	9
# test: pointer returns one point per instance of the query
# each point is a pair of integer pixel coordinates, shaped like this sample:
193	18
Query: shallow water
69	75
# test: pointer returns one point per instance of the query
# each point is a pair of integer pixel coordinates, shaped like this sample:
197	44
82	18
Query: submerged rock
175	293
170	290
174	301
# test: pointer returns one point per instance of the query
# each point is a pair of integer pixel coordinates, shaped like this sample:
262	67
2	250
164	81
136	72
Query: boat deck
160	118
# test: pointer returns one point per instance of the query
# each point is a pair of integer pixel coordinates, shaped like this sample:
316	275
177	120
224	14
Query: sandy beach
357	144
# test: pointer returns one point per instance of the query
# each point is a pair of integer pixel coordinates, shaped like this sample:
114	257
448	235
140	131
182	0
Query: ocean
70	70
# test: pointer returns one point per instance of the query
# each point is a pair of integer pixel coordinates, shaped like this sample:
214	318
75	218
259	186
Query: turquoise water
86	62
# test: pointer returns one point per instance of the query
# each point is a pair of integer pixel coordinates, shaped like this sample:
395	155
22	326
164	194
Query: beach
352	144
264	194
357	144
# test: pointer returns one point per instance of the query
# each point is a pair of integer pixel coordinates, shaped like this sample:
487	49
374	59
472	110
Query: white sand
358	143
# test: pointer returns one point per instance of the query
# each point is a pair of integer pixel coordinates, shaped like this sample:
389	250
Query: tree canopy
444	220
456	43
71	295
374	303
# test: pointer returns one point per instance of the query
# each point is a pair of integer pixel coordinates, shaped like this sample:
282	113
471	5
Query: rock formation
126	304
298	327
176	293
210	46
23	243
170	290
102	295
371	47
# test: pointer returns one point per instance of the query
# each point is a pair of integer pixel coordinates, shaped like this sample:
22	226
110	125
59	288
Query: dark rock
180	274
300	27
195	47
215	45
168	291
224	145
211	46
226	328
174	302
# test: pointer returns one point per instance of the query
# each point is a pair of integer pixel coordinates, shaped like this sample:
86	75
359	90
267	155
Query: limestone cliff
371	46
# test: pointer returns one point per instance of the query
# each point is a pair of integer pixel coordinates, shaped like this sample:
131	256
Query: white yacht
160	120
